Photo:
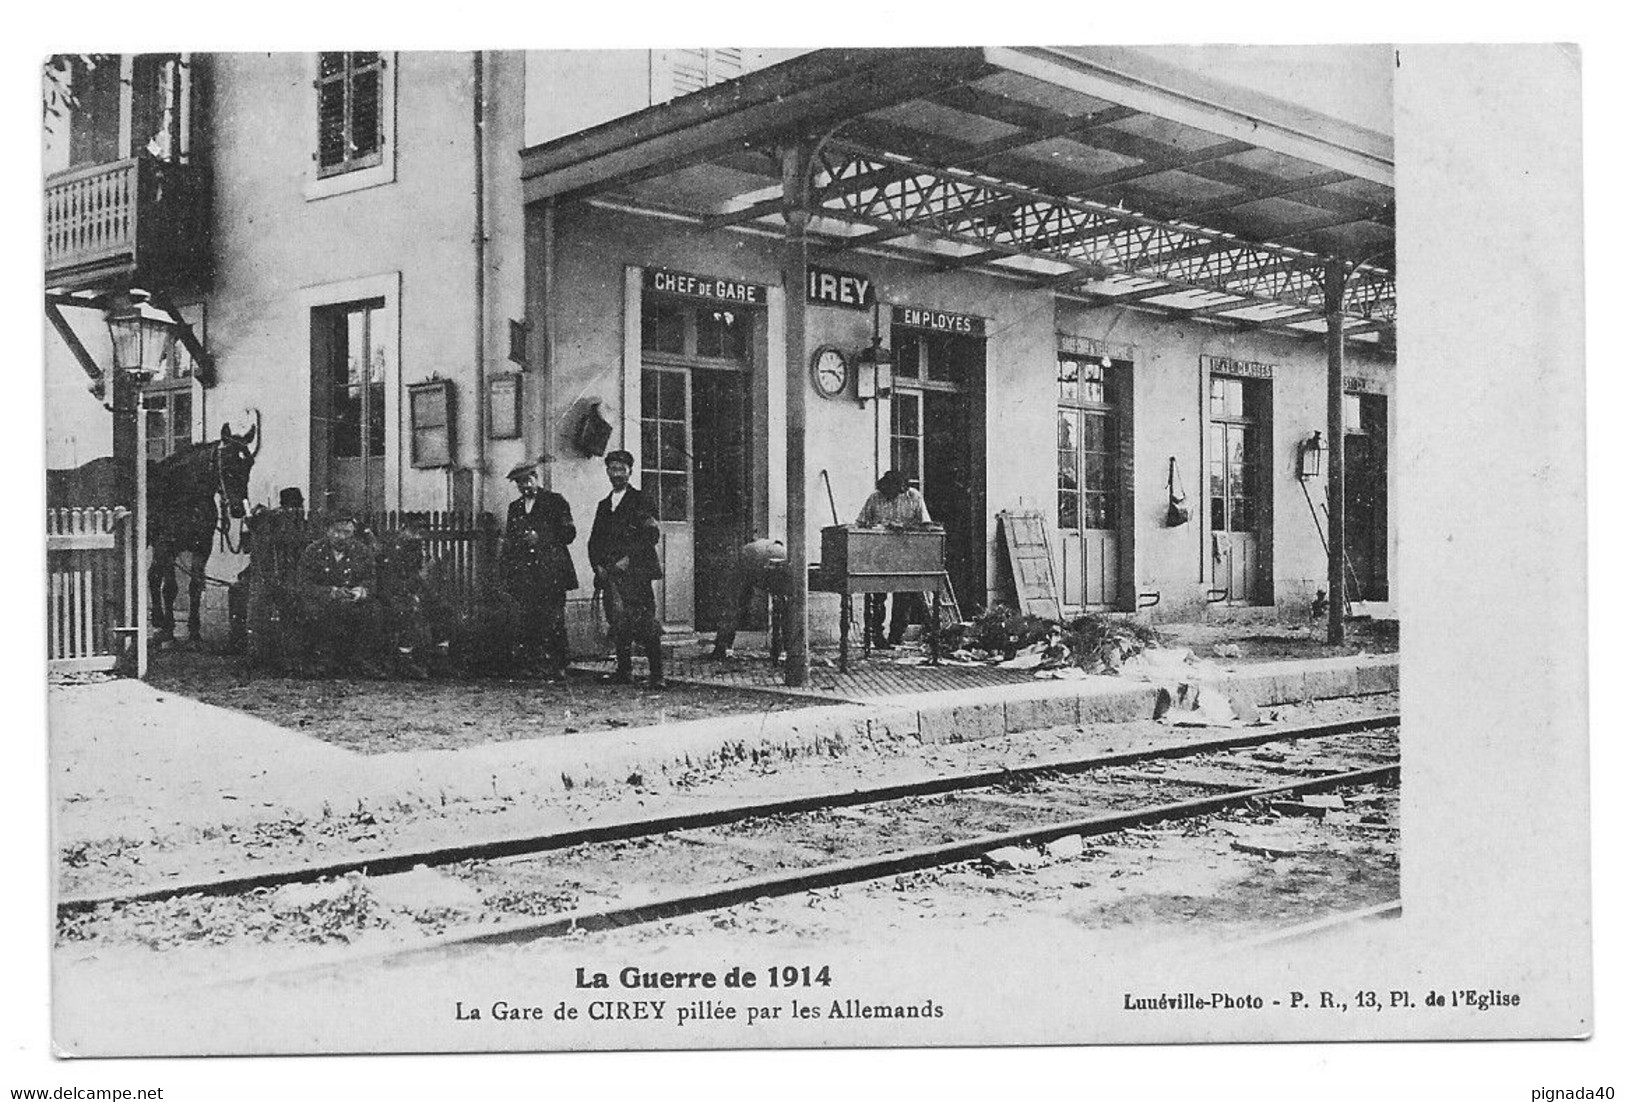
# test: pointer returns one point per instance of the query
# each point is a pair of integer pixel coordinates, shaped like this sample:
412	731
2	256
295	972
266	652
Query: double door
349	407
696	469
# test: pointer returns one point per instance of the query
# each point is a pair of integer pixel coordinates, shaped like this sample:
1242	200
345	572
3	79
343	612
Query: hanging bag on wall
1178	511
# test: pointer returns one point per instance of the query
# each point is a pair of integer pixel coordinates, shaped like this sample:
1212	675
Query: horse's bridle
225	499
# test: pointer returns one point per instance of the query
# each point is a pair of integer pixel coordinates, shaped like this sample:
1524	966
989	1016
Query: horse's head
233	460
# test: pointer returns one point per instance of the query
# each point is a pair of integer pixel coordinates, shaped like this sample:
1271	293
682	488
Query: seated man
894	504
403	601
335	586
762	567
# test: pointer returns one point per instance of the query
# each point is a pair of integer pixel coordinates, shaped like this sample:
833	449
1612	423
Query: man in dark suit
625	564
336	584
537	570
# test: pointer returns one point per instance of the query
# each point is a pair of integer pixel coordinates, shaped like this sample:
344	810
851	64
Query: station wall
597	245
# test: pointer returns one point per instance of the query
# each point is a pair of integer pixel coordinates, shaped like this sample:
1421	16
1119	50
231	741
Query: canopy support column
795	167
1336	551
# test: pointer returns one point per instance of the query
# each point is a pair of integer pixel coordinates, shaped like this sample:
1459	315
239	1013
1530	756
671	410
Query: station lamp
140	341
874	370
1310	453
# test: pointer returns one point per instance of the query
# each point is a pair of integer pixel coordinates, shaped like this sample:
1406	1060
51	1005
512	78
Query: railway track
649	869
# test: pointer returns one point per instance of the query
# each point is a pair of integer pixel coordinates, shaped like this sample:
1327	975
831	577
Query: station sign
1244	369
831	287
941	321
714	288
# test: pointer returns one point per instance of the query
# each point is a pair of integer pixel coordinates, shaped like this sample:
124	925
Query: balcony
135	222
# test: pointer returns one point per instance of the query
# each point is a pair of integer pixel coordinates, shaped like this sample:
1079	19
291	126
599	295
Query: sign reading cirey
715	288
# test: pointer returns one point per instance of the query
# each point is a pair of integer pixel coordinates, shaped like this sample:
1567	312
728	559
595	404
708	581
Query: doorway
1238	496
696	453
1365	494
939	431
349	407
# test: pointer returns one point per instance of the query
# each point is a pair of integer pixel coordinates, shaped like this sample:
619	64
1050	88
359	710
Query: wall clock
830	371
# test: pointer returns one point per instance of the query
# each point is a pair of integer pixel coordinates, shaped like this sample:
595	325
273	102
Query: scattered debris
1012	857
423	889
1063	849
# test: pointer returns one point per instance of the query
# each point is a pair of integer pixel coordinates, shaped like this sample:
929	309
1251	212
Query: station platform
127	758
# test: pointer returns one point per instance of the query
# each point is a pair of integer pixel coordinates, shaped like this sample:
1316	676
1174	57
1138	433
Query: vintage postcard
804	548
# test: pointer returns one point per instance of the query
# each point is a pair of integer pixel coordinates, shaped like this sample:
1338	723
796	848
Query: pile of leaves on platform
1017	640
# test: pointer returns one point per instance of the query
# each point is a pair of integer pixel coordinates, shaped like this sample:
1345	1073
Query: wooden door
1089	464
668	480
1233	480
1365	495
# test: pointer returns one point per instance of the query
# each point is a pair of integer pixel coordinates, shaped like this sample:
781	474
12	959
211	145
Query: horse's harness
224	522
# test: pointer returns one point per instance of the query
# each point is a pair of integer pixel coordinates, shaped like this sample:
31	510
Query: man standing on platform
894	504
537	570
621	551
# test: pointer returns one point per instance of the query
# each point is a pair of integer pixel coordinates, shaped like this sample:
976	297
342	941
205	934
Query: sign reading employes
829	287
715	288
941	321
1246	369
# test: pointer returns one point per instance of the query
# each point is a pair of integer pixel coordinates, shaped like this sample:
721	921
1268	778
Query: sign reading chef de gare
717	288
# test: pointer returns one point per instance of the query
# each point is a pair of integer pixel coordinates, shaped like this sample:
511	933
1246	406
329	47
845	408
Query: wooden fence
90	594
459	557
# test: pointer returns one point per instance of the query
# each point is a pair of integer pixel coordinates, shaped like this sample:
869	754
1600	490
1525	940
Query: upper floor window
93	124
349	112
676	73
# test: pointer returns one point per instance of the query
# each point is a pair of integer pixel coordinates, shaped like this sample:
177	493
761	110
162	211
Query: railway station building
1120	289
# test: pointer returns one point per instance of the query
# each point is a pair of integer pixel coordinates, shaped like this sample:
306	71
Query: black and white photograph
875	546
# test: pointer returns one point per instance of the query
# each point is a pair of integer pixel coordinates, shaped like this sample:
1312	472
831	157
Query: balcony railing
136	220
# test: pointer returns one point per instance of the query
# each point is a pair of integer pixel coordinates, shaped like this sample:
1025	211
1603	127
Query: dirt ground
382	717
1241	643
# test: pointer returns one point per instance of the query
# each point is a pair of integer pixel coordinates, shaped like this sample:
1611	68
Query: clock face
829	371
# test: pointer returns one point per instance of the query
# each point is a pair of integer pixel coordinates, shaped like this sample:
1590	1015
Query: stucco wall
596	246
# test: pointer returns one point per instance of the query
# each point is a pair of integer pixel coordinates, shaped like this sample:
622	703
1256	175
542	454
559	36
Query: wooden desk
883	560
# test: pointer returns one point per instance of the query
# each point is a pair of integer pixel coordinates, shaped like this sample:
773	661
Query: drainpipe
479	283
549	344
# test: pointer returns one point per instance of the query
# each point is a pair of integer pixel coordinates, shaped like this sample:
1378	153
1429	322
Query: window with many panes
169	420
1235	410
168	400
1087	447
356	394
666	454
349	112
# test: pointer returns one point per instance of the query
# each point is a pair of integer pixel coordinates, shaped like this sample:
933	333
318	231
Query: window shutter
366	131
688	71
330	111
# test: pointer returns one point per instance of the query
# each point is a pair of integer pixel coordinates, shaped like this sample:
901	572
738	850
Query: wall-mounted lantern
1310	454
874	371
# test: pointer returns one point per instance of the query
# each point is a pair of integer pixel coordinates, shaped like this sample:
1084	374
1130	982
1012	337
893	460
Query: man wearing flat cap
625	564
537	570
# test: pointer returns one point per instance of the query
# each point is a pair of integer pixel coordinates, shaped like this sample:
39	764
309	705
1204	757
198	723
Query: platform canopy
1106	174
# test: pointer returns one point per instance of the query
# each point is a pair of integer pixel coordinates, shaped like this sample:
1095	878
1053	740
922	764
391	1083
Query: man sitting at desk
894	504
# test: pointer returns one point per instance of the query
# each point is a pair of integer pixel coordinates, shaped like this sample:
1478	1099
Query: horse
183	516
